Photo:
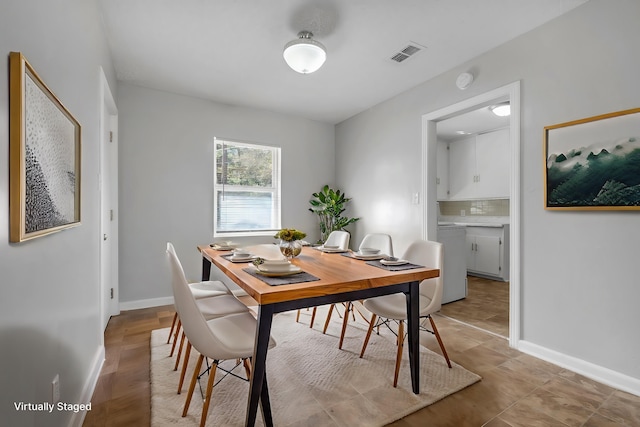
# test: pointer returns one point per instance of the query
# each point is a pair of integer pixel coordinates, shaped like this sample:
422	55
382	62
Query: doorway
510	93
108	203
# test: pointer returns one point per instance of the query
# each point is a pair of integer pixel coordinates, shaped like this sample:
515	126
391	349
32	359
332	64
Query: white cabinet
479	166
488	251
493	164
442	171
462	168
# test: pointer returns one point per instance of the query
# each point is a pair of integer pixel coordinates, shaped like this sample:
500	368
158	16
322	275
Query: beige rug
311	382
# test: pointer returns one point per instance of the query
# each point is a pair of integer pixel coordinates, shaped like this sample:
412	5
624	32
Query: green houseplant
329	204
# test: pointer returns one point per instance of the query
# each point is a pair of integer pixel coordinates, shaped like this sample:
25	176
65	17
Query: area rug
311	381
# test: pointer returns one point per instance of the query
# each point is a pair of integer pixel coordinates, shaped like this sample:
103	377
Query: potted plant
329	205
290	244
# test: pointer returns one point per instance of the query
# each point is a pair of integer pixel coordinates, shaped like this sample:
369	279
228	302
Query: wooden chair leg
298	316
437	334
182	338
247	367
175	337
313	316
399	354
192	385
326	322
345	320
187	353
366	339
207	398
173	325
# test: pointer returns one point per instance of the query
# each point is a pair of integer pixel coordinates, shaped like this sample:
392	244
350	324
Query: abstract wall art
44	157
593	163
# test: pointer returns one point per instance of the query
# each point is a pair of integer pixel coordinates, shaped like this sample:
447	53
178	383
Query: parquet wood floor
516	389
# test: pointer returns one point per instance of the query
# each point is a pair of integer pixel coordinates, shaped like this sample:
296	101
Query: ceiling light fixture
304	54
502	110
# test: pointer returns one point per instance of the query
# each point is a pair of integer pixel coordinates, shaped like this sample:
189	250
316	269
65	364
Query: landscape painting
594	163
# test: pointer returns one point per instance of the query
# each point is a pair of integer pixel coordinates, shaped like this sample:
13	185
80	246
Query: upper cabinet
479	167
442	171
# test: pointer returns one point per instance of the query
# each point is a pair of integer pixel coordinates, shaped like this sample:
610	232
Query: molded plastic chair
221	338
217	305
394	307
205	289
339	239
378	241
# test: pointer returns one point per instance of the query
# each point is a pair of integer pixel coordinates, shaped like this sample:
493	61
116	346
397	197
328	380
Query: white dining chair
219	305
222	338
204	289
393	308
379	241
338	239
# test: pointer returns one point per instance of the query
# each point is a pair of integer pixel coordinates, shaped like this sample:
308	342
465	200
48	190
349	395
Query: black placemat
283	280
408	266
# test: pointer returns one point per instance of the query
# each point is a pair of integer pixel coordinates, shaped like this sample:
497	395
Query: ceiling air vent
405	53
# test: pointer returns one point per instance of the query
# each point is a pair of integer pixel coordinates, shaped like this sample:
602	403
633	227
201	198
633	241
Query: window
246	189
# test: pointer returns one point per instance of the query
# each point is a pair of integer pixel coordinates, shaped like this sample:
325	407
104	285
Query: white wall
49	287
580	288
166	179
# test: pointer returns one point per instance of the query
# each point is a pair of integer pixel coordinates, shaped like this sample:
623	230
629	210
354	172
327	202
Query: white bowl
368	251
275	266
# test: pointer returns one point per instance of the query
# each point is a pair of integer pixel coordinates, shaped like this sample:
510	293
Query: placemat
409	266
283	280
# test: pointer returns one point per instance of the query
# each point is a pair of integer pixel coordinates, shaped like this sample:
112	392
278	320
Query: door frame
511	93
108	261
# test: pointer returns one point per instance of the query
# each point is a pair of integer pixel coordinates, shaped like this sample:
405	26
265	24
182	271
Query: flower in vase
290	235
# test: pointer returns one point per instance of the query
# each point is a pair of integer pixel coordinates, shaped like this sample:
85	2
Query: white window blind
246	189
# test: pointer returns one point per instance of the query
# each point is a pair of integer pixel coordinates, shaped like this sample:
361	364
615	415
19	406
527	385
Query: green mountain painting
597	175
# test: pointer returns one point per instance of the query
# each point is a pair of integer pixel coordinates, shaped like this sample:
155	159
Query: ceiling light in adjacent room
304	54
503	109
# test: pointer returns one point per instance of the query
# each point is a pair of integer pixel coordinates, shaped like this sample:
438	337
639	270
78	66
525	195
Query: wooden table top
337	274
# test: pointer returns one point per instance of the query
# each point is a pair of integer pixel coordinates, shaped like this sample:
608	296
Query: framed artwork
44	157
593	163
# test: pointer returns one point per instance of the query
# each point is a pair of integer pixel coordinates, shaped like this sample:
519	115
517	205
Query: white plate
368	257
275	268
293	269
240	259
398	262
221	248
332	250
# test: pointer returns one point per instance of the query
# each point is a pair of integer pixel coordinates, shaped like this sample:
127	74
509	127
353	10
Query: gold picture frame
593	163
44	157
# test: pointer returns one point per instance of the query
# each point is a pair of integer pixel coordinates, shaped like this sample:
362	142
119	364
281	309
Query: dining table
329	278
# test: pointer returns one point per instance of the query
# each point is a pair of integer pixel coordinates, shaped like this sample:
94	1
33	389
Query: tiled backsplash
494	207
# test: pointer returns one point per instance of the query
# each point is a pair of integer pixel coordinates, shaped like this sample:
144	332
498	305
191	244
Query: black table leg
206	269
413	313
258	373
265	402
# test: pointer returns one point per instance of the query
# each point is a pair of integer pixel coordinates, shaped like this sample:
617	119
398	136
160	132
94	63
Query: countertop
471	224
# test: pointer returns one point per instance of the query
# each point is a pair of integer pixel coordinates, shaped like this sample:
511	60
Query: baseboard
145	303
77	419
595	372
156	302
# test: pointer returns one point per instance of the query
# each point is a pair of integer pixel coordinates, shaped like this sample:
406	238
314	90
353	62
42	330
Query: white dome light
502	110
304	54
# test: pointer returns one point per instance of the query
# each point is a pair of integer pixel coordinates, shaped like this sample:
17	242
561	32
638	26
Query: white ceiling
230	51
